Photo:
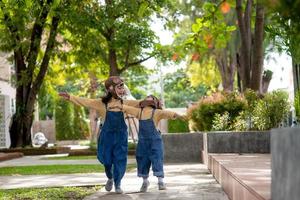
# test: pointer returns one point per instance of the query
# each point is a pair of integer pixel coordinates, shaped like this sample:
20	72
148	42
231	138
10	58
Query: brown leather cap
155	103
113	81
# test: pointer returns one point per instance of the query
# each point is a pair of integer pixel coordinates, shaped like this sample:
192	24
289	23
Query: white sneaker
118	190
162	186
109	185
145	186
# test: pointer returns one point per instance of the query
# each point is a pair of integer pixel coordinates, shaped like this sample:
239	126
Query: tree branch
36	37
134	63
45	62
127	56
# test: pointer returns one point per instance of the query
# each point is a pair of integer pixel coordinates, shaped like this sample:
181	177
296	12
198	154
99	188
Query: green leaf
195	28
143	8
231	28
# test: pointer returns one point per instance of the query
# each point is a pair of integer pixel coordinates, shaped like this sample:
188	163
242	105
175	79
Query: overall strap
141	113
152	113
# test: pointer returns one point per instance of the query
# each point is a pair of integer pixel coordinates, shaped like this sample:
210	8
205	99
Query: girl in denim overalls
150	145
112	142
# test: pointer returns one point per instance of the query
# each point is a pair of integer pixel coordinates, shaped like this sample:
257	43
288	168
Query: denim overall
149	148
113	146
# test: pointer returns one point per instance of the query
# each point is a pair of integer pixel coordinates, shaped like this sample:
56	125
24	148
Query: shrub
240	122
221	122
63	120
204	113
297	104
81	127
177	126
271	110
131	146
69	122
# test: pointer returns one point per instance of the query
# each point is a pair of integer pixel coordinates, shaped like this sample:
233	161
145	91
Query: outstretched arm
90	103
165	114
131	110
134	103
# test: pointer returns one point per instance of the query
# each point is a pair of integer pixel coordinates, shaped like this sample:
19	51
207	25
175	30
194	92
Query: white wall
281	65
7	100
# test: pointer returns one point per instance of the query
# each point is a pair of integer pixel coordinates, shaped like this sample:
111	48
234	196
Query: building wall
7	99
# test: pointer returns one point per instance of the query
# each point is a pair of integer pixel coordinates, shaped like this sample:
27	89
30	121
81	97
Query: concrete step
246	176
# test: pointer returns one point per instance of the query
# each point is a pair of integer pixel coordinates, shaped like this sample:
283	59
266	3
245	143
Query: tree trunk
258	53
244	22
251	55
113	65
20	129
226	66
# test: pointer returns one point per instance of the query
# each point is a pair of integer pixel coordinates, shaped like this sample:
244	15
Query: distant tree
29	29
117	33
179	91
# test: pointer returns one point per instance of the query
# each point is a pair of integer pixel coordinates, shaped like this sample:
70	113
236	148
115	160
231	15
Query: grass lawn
48	193
76	158
54	169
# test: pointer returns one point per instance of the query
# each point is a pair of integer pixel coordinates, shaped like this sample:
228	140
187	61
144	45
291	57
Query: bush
63	120
69	122
81	127
205	112
252	111
240	122
178	126
271	110
221	122
297	104
131	146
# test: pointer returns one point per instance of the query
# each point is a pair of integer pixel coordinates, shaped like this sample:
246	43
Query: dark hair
107	98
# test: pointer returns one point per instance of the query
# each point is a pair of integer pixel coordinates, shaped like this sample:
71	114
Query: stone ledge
9	156
38	151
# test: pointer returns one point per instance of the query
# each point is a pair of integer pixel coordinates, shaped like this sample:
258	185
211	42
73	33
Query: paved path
188	182
184	181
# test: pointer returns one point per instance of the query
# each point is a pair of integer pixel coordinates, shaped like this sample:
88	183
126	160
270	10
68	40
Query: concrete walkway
188	182
184	181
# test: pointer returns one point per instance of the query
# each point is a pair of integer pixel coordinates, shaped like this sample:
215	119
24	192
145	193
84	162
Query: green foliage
179	91
204	113
50	169
54	169
240	122
136	79
80	126
271	110
64	120
221	122
284	29
297	104
240	113
178	126
48	193
211	29
96	29
131	146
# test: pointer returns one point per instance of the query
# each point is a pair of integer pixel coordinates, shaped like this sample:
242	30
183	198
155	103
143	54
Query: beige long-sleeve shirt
147	113
97	104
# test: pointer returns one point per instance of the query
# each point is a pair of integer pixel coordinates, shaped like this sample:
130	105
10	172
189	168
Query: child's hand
64	95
